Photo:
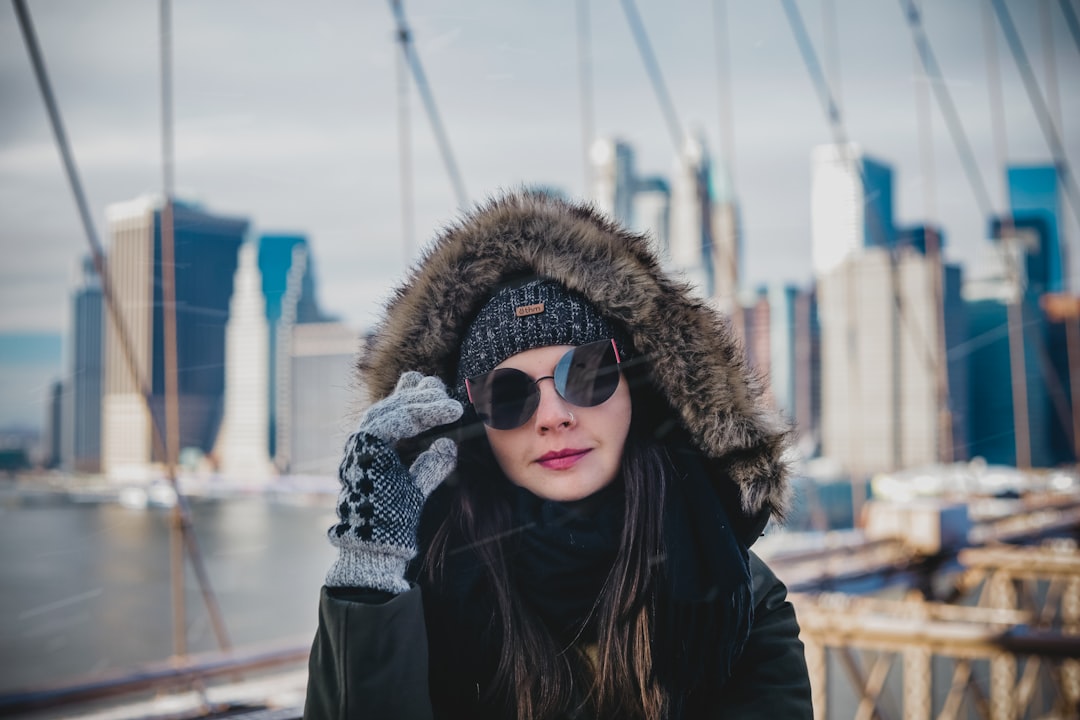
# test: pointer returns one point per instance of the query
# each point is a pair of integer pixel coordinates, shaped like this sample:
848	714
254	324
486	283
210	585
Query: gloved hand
380	501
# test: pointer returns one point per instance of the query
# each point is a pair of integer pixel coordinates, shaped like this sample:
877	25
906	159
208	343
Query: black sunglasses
585	376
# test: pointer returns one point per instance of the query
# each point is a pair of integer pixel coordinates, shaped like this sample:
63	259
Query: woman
547	512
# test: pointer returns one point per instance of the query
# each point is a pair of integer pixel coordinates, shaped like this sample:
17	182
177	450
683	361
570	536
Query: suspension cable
97	255
1014	308
408	49
947	107
1071	22
1038	104
588	122
946	441
404	147
723	76
652	67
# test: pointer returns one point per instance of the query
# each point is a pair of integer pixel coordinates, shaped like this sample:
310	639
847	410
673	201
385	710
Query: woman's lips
561	459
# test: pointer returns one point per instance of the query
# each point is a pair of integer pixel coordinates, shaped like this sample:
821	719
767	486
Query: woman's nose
553	412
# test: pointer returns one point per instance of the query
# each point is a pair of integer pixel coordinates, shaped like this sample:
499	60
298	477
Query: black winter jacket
369	660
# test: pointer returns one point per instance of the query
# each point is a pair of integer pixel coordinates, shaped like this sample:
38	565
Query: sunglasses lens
585	376
505	398
588	375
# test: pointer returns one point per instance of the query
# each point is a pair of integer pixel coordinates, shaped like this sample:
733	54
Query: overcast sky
286	113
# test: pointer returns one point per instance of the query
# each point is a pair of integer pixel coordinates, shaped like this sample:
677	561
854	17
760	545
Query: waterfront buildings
289	289
783	346
321	397
614	183
851	205
242	449
693	219
1034	201
652	212
879	365
81	449
887	310
206	248
239	303
881	360
1014	346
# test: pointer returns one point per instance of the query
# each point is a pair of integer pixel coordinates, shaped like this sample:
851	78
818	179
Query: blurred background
879	194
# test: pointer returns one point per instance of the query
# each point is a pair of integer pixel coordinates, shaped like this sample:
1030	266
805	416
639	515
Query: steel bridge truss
1009	638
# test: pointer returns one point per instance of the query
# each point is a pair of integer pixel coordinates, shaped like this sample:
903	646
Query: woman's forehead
542	358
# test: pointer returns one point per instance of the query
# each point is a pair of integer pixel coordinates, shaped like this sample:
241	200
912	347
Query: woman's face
563	452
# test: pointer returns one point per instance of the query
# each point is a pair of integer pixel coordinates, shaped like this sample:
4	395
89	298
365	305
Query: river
85	587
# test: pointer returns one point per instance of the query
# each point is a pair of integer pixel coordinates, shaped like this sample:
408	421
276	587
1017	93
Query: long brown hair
537	677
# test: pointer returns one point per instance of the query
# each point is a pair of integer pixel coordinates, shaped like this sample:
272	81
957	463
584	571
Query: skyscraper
992	422
321	384
782	344
693	220
613	178
86	361
691	235
652	212
205	262
880	359
243	444
1034	201
1029	419
807	354
54	440
288	285
851	204
726	252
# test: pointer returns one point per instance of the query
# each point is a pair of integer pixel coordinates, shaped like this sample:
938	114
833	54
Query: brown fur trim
695	359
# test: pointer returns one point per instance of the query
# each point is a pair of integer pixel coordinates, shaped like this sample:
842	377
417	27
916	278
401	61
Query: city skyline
880	256
308	143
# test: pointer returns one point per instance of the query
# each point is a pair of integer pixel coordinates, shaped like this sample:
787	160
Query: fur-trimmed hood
696	361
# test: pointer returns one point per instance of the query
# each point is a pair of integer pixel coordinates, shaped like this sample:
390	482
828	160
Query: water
85	587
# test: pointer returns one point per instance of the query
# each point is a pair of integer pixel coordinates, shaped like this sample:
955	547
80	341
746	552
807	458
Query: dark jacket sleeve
369	660
770	679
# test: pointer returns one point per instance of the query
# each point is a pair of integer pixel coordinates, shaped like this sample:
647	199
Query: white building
243	448
879	361
125	419
850	204
322	387
690	235
613	182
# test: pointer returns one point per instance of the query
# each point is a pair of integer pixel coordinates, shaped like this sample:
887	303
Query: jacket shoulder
771	679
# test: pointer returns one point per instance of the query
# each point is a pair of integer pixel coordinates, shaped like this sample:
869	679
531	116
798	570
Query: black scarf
560	555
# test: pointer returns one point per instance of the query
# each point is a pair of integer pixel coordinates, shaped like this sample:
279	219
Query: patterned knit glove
380	501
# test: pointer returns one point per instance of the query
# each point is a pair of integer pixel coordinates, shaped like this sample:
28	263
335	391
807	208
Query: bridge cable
1038	104
947	107
1072	325
588	115
924	124
731	231
97	254
1014	308
184	531
652	67
1049	372
405	155
1071	22
408	49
